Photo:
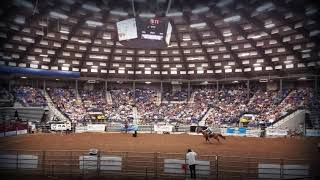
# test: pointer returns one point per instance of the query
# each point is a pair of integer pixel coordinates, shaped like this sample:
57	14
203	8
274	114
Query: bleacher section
212	106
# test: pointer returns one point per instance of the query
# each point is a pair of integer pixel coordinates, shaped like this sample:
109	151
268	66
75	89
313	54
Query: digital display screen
152	29
144	33
127	29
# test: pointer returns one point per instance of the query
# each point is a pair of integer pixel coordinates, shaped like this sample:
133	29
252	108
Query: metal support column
106	87
188	90
280	88
77	89
134	89
248	89
44	85
9	85
316	85
161	90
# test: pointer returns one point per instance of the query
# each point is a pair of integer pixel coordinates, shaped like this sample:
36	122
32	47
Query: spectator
191	161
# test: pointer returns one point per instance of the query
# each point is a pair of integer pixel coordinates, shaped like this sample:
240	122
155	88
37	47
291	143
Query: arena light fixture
302	78
200	10
269	25
147	82
118	13
227	34
93	23
235	82
223	3
265	7
64	30
23	77
20	19
147	15
263	80
235	18
57	15
91	7
174	14
198	25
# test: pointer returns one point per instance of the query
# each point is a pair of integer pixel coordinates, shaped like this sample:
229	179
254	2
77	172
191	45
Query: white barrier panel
162	128
8	161
290	171
23	161
312	132
27	161
96	127
269	171
88	162
25	131
60	127
295	171
80	129
111	163
11	133
276	132
178	166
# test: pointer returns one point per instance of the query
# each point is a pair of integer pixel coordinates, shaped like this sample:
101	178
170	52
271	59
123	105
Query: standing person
126	126
191	161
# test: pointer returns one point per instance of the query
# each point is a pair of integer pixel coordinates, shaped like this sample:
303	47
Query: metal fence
153	165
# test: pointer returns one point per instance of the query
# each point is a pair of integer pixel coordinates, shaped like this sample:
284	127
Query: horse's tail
220	135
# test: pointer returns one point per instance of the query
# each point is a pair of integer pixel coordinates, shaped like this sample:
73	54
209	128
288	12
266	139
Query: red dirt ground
168	143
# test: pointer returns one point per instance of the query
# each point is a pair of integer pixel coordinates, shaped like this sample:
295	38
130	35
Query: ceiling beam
259	24
183	58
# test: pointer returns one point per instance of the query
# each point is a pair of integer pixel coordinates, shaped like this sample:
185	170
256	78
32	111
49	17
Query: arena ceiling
211	39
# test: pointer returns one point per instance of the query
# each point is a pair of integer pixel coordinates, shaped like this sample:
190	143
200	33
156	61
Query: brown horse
212	135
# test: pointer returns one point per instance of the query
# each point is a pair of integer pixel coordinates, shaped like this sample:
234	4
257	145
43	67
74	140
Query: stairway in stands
135	115
109	98
53	110
158	100
191	100
202	122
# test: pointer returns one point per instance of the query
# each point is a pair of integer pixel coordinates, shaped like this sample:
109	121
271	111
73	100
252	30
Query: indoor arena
159	89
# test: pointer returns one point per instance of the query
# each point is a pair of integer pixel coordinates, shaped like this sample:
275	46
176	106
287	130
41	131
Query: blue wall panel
39	72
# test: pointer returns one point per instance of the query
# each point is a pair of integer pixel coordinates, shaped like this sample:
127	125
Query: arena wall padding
39	72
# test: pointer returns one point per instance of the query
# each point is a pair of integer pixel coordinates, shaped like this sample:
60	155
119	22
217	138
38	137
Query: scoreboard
127	29
144	33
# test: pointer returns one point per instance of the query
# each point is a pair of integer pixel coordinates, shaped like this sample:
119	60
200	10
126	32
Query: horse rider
208	130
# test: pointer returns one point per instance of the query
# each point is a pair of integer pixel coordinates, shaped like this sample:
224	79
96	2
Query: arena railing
152	165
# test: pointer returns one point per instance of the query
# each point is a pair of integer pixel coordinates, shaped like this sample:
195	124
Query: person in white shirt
191	161
208	130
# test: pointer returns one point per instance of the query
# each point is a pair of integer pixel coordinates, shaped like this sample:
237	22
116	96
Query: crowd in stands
175	95
30	96
122	104
227	104
268	106
67	102
223	106
295	99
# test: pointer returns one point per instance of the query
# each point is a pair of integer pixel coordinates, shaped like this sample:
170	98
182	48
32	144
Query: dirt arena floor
298	147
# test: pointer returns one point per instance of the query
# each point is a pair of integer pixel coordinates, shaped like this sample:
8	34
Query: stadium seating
29	96
221	107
